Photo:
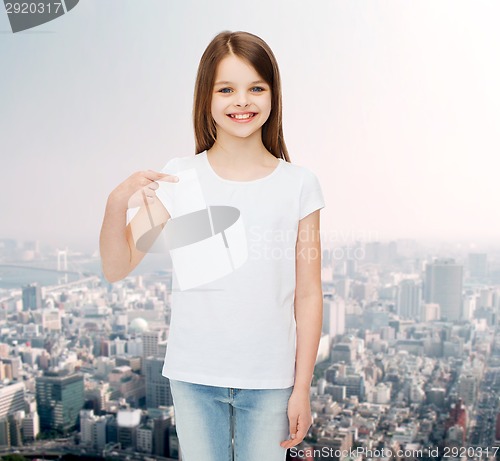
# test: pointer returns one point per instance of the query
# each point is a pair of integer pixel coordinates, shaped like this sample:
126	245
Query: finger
300	434
290	443
293	422
152	186
157	175
169	178
297	438
297	433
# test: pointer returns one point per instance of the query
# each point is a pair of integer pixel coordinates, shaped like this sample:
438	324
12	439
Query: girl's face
241	99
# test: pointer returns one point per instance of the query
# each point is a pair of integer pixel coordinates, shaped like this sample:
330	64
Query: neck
239	151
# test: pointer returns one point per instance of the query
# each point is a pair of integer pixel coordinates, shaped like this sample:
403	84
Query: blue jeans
229	424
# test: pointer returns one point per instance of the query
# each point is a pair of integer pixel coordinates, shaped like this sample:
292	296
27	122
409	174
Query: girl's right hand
138	187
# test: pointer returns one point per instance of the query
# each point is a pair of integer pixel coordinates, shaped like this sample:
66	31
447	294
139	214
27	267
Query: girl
241	348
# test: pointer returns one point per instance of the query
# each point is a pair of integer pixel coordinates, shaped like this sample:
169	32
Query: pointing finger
157	175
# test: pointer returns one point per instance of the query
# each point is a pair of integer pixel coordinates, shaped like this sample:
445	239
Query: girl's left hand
299	417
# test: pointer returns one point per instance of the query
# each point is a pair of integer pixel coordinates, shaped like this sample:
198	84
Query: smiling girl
241	350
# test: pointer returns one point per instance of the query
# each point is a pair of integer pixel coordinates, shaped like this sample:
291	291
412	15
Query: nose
241	99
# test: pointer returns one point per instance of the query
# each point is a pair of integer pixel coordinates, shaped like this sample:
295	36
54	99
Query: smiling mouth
242	116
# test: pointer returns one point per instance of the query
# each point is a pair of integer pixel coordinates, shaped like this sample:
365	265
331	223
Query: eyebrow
253	83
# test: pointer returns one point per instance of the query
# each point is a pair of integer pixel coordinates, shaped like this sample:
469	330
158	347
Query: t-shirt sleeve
311	194
166	189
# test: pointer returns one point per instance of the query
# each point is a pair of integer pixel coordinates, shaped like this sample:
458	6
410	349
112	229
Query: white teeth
241	116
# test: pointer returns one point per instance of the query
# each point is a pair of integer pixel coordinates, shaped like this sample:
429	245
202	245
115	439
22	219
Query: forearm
114	248
309	320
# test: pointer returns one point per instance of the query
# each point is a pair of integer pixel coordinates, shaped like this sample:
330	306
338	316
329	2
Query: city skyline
408	357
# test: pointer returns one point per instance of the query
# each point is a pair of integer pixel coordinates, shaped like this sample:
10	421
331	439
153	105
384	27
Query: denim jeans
229	424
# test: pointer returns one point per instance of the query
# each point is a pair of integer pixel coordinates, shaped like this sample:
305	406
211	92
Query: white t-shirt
239	330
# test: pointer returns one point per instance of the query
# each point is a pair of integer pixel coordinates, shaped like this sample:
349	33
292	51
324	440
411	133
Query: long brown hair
257	53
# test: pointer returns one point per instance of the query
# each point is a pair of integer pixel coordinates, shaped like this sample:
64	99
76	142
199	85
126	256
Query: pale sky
395	105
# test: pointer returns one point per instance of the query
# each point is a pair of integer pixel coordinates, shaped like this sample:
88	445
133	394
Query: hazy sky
395	105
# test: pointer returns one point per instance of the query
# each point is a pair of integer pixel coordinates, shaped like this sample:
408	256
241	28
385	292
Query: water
45	274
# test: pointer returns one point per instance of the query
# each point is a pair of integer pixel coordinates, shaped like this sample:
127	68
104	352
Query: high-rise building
469	306
333	316
12	367
163	419
60	397
150	340
86	427
51	319
128	422
32	297
443	285
457	417
409	299
93	429
467	389
31	426
343	352
145	439
11	398
134	346
157	386
98	393
15	428
4	432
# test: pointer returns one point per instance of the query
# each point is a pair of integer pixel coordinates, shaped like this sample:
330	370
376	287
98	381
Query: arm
309	320
308	300
119	254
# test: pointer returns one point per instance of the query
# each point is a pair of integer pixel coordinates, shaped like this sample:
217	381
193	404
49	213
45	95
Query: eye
223	90
258	88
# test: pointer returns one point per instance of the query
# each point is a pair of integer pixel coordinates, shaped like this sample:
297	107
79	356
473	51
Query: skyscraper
443	285
409	300
11	398
32	297
60	397
157	386
150	340
333	316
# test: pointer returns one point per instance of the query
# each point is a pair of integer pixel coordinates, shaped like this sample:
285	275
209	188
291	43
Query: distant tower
62	256
443	285
408	303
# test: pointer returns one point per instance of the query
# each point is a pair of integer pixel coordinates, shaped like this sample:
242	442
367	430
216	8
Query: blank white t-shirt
239	330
